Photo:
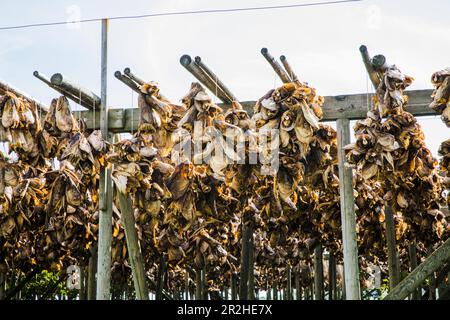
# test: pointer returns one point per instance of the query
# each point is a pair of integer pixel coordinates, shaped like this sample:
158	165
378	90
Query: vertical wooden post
298	288
198	284
318	273
186	289
274	291
204	284
289	283
243	284
413	264
251	265
92	270
81	292
160	279
233	286
105	190
393	263
332	277
133	246
2	285
348	217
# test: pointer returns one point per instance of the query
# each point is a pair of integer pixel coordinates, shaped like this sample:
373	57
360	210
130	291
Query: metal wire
179	13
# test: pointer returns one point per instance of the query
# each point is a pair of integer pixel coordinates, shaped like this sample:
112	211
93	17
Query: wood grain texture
133	247
423	271
352	106
348	217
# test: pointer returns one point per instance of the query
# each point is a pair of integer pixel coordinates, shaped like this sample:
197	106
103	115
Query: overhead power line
178	13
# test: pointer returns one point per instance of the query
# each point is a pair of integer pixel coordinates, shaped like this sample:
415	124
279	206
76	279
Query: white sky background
321	43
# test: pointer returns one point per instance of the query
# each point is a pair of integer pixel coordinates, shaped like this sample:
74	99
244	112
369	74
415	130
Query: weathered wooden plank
348	217
423	271
352	106
134	249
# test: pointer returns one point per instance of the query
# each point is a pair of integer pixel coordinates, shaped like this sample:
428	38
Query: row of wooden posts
341	109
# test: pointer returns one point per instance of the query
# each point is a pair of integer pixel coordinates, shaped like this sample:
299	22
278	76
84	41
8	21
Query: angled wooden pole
348	217
105	190
133	246
373	75
435	261
275	66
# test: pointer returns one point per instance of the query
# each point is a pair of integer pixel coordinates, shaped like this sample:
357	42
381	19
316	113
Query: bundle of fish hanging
390	148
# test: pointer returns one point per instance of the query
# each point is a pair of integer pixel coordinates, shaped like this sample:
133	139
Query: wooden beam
275	66
217	82
133	247
105	188
200	74
353	106
348	217
76	99
435	261
79	94
373	75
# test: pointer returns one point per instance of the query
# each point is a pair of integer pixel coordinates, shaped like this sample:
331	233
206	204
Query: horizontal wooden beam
435	261
352	106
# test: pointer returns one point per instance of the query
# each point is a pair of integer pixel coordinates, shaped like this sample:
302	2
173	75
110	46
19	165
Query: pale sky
321	43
